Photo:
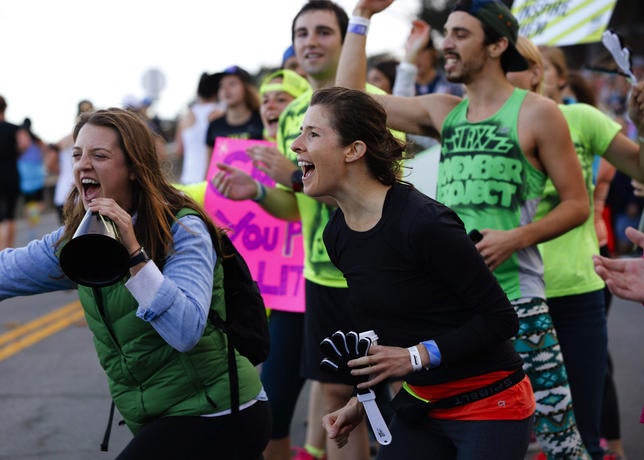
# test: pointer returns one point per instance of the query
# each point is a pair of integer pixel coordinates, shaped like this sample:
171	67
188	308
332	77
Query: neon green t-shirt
196	191
567	259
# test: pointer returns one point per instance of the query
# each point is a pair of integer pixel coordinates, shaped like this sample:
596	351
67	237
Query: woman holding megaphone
147	307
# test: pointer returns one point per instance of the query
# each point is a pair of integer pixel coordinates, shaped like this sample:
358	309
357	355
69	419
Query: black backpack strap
108	429
233	376
98	296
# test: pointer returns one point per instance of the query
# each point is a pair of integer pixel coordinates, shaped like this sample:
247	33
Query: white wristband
261	192
414	355
407	66
360	20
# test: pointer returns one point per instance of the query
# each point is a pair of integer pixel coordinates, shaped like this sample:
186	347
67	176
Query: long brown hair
155	201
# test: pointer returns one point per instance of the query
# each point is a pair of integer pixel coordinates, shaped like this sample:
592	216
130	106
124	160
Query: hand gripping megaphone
95	256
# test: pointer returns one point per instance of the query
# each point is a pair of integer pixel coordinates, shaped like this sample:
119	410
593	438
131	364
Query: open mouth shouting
90	189
308	169
271	122
451	60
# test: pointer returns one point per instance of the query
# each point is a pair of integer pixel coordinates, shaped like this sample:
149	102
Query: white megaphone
95	256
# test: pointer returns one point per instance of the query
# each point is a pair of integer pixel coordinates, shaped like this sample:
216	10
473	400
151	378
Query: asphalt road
54	401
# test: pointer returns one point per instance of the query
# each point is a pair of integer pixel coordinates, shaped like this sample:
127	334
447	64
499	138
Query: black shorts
8	201
327	310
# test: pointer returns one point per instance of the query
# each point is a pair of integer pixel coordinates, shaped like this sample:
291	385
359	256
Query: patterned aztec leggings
536	342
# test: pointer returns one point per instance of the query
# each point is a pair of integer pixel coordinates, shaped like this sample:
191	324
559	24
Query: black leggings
196	438
609	424
457	440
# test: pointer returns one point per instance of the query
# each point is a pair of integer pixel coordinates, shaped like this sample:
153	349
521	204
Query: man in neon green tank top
498	148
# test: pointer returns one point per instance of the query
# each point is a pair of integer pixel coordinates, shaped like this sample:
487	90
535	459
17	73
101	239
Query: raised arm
627	156
406	72
352	67
415	115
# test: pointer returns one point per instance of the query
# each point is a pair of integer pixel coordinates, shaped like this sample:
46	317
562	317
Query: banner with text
273	248
563	22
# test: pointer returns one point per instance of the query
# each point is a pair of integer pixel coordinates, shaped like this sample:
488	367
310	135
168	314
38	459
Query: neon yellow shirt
567	259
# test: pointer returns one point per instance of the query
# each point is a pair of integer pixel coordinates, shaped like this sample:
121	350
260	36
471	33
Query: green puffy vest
146	376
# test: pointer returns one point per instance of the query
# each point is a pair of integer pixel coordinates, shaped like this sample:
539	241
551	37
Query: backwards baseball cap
289	53
237	71
291	83
496	16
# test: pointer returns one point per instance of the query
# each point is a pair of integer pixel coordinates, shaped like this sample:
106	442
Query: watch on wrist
296	180
138	257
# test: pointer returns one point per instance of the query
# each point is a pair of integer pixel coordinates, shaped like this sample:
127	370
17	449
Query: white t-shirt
196	157
65	180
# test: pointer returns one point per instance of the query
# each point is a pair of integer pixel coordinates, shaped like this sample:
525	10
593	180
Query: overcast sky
57	52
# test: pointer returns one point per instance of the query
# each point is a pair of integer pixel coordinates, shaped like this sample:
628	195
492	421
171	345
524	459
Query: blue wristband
358	29
434	353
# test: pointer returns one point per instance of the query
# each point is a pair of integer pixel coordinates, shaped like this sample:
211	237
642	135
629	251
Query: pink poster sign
272	247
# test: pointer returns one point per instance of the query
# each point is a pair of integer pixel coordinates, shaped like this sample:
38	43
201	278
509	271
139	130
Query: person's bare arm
23	139
352	67
627	156
557	154
280	203
185	121
422	115
605	175
340	423
406	71
237	185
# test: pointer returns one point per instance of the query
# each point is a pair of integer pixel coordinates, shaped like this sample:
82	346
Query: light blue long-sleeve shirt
175	302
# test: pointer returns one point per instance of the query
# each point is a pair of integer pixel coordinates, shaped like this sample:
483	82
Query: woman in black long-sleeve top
415	277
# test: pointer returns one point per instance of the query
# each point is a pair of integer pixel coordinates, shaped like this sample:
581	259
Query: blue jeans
457	440
580	322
